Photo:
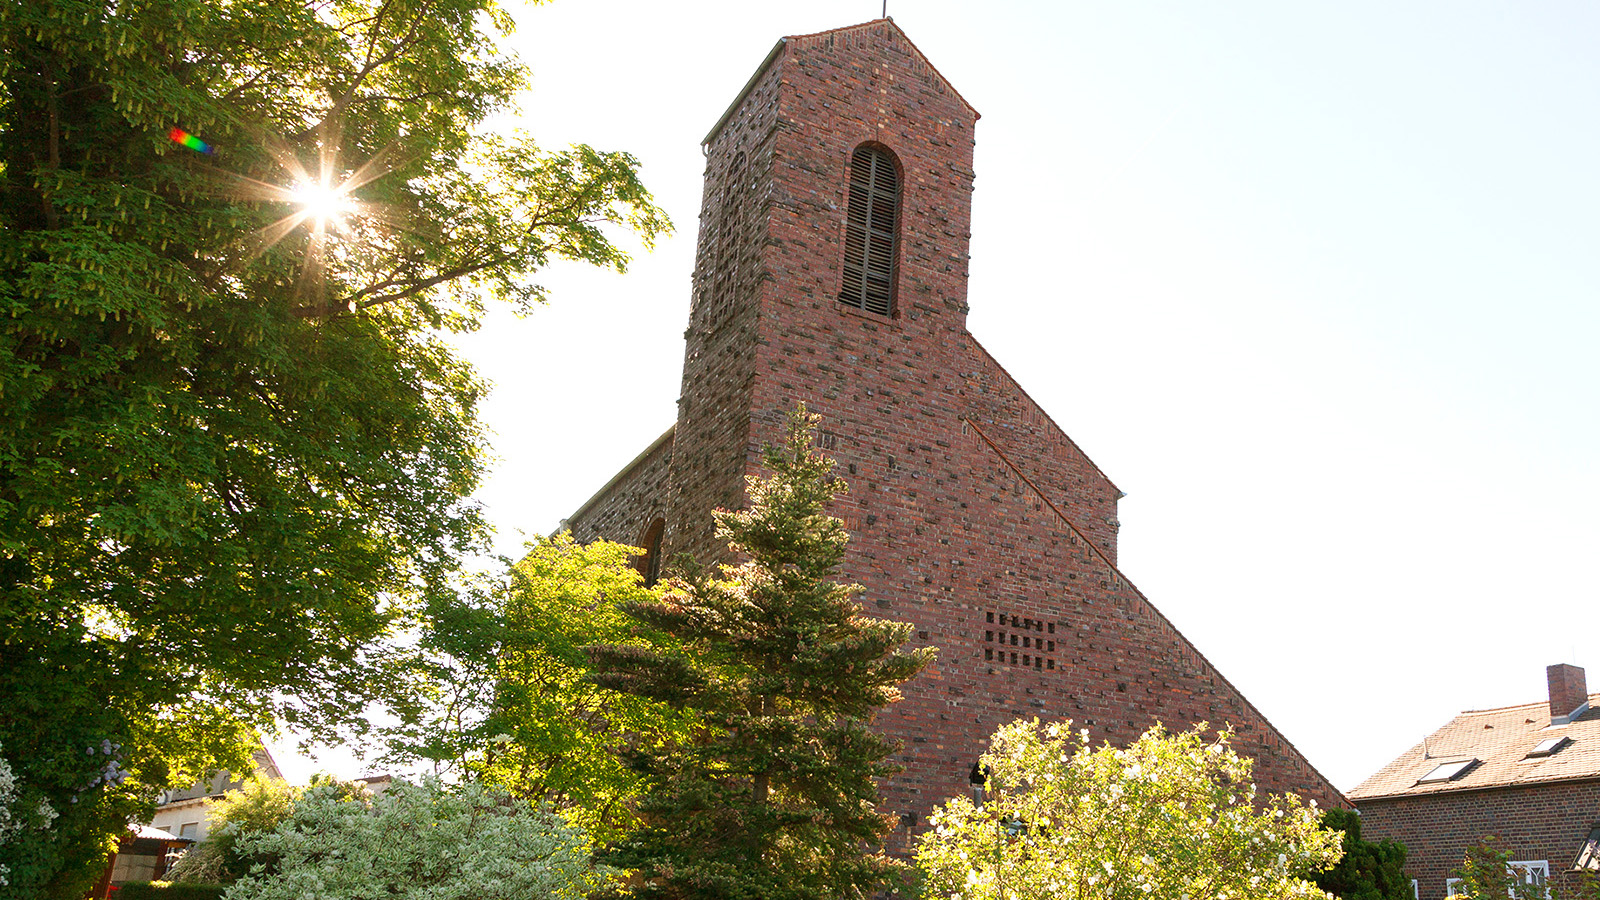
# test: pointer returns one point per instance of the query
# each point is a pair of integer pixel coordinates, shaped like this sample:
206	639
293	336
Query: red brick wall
713	427
626	507
1548	822
966	501
1055	463
1568	689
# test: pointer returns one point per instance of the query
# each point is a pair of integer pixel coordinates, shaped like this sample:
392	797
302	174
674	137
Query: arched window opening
649	562
872	224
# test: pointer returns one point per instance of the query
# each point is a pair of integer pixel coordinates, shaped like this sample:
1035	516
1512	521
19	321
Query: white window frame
1534	871
1447	771
1415	893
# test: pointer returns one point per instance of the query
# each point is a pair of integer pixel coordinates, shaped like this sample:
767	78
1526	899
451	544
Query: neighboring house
832	268
1527	775
180	822
183	813
143	854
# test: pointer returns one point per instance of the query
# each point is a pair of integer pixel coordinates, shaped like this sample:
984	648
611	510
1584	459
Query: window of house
1548	746
1415	894
1589	855
188	830
1534	872
1447	771
872	225
1039	647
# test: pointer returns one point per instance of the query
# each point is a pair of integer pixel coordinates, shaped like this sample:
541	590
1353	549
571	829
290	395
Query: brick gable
966	500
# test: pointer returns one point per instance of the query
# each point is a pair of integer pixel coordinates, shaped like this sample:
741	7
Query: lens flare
180	136
320	202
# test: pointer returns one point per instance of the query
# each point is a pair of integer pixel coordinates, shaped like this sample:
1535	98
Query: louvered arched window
872	225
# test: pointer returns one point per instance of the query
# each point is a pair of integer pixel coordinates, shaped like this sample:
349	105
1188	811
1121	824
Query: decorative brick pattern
972	514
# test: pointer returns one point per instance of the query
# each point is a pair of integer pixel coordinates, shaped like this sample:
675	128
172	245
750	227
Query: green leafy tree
1368	870
422	841
1172	816
261	805
513	706
1487	874
775	795
235	444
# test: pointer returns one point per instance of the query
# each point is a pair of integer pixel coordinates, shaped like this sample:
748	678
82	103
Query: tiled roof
1500	739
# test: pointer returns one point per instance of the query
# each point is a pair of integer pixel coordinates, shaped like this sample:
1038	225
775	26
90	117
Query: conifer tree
776	797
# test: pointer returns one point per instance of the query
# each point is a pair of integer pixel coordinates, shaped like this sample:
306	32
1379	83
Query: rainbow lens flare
180	136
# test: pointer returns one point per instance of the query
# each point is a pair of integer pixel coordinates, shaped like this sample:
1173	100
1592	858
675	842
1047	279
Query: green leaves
236	450
1172	816
511	702
424	841
1368	870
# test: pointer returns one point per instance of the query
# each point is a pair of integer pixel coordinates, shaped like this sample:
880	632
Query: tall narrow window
649	562
871	226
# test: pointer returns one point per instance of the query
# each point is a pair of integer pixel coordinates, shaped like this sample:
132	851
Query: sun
321	203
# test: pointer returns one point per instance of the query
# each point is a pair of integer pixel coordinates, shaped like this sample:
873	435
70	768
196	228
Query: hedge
166	890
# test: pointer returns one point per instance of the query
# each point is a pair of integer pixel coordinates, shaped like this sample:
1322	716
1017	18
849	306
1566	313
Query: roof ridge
889	20
784	42
812	34
1494	709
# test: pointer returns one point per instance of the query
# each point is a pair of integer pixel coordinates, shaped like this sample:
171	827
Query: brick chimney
1568	692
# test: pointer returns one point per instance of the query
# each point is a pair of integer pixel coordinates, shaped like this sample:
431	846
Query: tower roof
801	39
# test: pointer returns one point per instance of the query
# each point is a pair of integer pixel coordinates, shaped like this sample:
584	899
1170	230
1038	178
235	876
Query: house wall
172	817
1548	822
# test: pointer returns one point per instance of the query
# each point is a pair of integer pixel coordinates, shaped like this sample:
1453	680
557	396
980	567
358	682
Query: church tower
835	218
832	269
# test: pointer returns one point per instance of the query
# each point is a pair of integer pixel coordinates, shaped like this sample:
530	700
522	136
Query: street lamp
978	778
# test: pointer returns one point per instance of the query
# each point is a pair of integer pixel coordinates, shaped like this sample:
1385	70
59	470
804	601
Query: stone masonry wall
1055	463
626	507
950	528
713	430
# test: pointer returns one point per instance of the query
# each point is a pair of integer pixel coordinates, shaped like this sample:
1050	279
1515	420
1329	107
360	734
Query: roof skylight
1447	771
1548	746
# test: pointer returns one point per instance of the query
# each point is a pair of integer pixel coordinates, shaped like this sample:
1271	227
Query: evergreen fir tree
776	797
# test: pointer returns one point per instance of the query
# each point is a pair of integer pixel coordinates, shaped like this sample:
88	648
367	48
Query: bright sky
1314	283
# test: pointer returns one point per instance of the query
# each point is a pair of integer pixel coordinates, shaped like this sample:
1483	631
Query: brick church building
832	268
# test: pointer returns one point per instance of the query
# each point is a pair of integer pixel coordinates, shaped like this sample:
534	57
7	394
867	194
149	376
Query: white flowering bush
8	795
1171	817
423	841
14	818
